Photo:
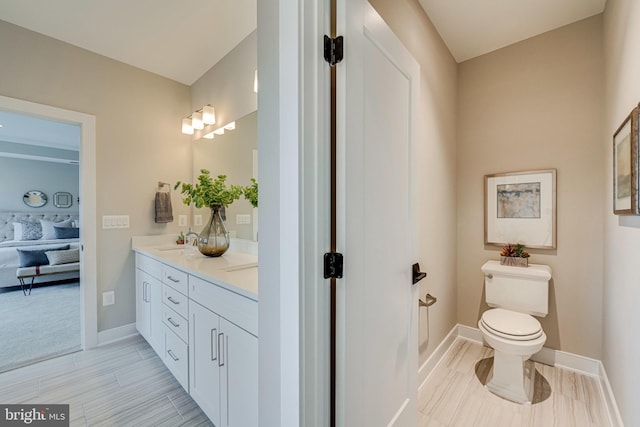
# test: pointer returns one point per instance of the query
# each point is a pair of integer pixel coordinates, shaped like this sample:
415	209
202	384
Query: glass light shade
208	114
187	129
230	126
209	135
196	120
255	81
219	131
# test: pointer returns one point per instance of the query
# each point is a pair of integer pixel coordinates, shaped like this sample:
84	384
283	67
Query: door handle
416	274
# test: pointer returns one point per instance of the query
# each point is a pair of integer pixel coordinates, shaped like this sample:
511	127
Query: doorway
87	207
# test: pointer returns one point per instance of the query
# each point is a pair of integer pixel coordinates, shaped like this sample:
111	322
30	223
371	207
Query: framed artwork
520	207
625	166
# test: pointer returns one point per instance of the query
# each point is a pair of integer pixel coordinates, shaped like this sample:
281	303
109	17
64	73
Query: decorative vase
514	261
213	240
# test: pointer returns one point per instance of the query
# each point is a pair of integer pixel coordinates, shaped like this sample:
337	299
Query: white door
378	86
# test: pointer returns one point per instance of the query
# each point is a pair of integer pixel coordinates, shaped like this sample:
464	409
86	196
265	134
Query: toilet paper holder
429	300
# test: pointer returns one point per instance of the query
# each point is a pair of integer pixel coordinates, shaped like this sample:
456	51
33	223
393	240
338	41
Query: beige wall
621	234
538	104
138	141
436	156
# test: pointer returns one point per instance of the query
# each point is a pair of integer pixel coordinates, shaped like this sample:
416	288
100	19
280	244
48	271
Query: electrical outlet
182	220
243	219
197	220
108	298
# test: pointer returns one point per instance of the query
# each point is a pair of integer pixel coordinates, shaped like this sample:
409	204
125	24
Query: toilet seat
511	325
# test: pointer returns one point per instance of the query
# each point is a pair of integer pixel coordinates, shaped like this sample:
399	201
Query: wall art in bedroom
35	198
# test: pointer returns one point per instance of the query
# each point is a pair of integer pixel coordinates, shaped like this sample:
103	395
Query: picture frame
625	166
62	199
520	207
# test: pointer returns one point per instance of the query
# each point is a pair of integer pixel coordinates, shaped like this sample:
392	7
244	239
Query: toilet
516	294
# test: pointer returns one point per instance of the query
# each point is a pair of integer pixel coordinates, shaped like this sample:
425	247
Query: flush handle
416	273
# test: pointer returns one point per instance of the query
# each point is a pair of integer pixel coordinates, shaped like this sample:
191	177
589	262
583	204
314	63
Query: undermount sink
241	266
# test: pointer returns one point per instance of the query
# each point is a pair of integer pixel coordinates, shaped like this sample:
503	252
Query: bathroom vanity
200	315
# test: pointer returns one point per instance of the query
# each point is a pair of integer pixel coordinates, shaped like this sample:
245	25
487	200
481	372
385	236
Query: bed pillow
66	232
33	257
63	257
17	231
30	230
48	231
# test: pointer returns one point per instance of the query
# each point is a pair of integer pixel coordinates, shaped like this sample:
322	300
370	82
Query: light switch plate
182	220
243	219
108	298
197	220
115	221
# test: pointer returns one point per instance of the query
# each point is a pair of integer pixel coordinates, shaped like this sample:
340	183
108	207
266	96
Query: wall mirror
233	154
62	199
34	198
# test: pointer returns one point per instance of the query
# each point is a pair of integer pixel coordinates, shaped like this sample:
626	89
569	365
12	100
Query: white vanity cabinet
149	301
204	326
223	363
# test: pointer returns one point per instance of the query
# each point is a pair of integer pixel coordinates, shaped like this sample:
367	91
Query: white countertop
235	271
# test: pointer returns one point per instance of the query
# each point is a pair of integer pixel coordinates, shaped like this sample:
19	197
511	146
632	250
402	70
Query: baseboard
432	361
548	356
614	413
116	334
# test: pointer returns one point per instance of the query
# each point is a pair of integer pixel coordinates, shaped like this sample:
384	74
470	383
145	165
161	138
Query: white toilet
518	294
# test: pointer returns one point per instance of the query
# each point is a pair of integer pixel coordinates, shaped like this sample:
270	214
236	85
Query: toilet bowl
510	329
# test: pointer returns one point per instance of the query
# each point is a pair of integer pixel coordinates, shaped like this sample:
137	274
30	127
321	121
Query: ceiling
177	39
472	28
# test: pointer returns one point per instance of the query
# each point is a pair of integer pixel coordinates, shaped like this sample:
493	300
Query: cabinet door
143	304
205	339
239	376
155	323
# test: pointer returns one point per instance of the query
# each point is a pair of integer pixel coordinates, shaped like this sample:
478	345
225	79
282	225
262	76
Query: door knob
416	274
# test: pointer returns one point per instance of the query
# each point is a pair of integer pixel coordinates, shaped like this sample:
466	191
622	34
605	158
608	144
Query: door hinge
333	265
333	49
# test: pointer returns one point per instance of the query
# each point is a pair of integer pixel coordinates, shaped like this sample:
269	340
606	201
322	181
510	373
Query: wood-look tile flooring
122	384
454	395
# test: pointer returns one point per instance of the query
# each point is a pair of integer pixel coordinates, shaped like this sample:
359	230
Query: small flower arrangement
514	255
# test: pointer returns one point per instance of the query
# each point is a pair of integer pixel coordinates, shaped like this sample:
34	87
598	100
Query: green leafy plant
514	250
209	192
180	239
251	193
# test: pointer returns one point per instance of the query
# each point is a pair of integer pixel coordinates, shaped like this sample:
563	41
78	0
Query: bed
9	258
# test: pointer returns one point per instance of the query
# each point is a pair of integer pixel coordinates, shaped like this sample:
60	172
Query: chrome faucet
188	240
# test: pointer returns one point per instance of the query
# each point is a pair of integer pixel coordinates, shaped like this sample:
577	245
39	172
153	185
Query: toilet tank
521	289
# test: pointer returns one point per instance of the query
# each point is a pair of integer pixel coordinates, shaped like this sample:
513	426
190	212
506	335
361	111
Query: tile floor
454	395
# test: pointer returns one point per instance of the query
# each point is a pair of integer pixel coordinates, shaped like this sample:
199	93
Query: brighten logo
35	415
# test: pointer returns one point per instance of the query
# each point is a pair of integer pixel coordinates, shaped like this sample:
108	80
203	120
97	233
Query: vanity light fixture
230	126
209	135
196	120
187	129
208	115
255	81
219	131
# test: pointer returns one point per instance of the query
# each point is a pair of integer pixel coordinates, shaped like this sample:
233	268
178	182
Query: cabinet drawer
176	358
175	278
149	265
175	300
176	323
234	307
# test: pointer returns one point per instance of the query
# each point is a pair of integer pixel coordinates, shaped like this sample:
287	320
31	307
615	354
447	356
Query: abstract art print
625	166
521	207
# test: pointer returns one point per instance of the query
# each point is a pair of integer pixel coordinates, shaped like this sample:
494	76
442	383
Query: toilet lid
511	324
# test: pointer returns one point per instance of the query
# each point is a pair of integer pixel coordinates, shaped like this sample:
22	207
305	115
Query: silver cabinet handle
173	356
214	353
173	301
221	349
170	320
173	280
145	291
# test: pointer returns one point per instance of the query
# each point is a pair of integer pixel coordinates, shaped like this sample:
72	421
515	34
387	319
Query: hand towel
164	212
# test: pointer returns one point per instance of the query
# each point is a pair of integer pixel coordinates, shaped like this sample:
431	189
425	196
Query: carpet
39	326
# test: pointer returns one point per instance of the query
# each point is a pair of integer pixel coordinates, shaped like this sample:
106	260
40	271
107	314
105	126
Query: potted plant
180	239
514	255
215	194
251	192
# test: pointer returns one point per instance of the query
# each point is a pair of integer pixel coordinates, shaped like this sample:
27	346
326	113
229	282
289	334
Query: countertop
234	271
